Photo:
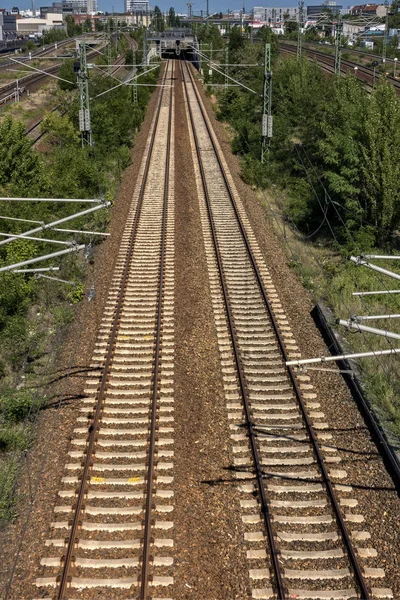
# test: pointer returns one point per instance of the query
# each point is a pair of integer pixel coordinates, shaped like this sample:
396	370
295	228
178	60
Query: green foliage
172	19
68	74
158	22
16	405
20	166
54	35
72	28
76	294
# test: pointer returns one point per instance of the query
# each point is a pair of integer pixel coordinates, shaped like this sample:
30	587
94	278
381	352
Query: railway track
304	536
327	62
112	526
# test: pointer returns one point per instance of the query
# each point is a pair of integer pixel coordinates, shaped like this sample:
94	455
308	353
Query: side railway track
116	500
298	518
327	62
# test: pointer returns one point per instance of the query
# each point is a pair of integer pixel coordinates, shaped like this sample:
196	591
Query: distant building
36	26
8	27
79	7
313	12
378	10
274	15
141	7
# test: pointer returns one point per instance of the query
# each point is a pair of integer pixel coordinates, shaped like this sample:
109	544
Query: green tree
20	166
340	147
158	19
381	158
236	40
67	74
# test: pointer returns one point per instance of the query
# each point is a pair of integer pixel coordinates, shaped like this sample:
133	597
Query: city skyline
180	6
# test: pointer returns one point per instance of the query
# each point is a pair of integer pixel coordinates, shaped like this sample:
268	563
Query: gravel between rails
82	332
373	488
210	555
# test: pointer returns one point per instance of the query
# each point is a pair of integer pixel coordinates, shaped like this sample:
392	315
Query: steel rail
239	366
150	469
352	67
320	460
93	429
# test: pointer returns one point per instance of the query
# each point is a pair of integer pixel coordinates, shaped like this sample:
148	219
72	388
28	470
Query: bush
15	405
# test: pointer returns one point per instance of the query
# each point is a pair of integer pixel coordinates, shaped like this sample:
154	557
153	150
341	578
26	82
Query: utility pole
84	113
134	82
189	5
338	45
109	58
267	104
145	47
226	65
207	11
300	29
385	36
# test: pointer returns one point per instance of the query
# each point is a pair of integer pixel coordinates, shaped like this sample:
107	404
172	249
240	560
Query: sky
179	5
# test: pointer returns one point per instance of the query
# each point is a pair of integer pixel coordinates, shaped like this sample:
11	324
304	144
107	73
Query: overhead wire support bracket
338	44
375	293
37	270
300	30
360	261
40	258
45	226
339	357
353	324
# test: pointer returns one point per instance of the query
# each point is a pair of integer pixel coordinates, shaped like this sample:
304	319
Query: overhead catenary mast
267	104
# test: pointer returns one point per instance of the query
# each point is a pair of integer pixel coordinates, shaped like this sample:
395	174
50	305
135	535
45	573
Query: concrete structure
131	20
274	15
36	26
140	6
313	12
351	31
77	7
372	10
8	27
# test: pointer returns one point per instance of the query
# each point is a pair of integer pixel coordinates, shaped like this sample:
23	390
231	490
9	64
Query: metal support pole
375	293
40	258
109	57
226	65
351	324
267	104
134	85
323	359
375	317
338	45
85	126
37	270
300	29
385	34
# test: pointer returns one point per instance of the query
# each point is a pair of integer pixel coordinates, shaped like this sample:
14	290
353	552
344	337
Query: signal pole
338	45
134	86
385	34
84	112
109	60
300	29
267	105
226	65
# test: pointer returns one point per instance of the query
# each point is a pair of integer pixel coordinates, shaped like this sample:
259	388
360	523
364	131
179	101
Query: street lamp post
395	64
